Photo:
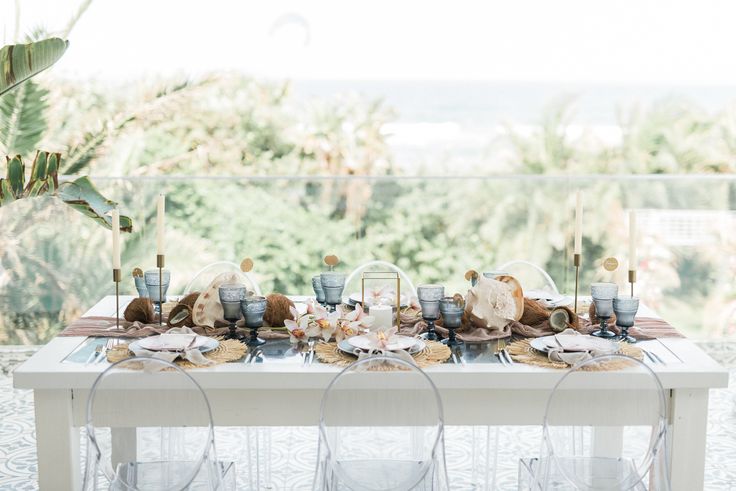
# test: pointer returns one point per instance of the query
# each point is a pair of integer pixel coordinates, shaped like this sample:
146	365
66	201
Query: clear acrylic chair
353	281
586	445
532	276
204	277
381	428
149	427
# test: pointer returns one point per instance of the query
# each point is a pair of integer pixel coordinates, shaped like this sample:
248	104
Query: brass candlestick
116	278
576	262
160	265
632	280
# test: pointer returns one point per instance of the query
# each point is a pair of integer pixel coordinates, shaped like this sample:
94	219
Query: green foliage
22	121
80	194
19	62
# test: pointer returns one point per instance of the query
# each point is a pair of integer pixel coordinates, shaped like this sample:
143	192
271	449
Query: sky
675	42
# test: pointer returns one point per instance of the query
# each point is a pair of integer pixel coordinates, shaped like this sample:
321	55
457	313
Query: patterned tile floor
293	450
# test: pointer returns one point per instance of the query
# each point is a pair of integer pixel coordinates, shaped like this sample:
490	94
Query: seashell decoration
207	310
492	303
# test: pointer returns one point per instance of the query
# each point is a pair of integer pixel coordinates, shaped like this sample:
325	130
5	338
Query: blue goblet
603	295
317	287
625	309
452	318
157	285
429	299
253	308
230	296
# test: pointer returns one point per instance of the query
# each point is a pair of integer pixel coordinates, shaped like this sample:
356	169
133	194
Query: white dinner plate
203	343
345	346
356	297
398	342
602	345
550	299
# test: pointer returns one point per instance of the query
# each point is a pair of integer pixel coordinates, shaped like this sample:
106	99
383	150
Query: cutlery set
100	352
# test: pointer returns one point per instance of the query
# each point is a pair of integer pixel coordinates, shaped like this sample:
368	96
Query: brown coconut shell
185	320
139	310
536	313
277	309
594	318
190	299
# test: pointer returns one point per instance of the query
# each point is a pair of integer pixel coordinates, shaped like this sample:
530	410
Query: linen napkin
571	347
193	355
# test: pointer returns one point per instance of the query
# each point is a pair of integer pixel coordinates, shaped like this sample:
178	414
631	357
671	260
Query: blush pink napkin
105	327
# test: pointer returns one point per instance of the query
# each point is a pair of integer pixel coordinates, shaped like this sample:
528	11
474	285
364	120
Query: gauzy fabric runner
644	328
105	327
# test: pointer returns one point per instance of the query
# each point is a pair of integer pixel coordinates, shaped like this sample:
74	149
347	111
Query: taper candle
578	223
115	239
160	210
632	241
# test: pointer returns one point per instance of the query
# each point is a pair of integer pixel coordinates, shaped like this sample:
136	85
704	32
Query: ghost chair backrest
201	280
530	275
381	426
605	424
171	423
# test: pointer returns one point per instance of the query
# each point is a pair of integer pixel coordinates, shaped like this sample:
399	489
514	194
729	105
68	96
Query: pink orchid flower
382	337
297	329
351	324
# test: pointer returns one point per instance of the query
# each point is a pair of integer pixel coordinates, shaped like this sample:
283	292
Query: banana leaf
80	194
19	62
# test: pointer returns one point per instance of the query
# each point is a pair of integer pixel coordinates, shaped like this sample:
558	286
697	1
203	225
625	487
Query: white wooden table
477	393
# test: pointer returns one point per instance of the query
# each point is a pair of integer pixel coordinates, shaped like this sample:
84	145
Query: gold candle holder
116	276
576	259
383	275
632	280
160	265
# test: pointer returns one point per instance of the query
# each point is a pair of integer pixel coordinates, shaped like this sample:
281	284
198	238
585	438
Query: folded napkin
193	355
571	347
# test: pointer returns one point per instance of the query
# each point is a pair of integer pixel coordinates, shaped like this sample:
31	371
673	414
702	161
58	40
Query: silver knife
311	351
508	357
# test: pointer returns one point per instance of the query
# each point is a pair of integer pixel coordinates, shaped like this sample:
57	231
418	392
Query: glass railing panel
56	262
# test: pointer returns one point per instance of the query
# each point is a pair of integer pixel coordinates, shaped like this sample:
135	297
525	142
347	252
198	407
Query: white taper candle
115	239
160	210
578	223
632	241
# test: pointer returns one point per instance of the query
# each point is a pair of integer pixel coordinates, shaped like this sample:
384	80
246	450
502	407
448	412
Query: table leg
57	441
689	425
124	445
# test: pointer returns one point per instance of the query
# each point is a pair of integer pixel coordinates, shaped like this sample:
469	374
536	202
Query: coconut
277	310
139	310
180	315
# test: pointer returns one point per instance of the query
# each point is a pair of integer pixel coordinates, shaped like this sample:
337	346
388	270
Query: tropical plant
22	103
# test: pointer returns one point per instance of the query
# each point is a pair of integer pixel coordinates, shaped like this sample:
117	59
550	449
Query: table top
60	364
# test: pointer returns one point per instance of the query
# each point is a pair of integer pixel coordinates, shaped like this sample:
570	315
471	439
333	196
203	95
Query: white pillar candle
632	241
160	209
115	239
382	316
578	223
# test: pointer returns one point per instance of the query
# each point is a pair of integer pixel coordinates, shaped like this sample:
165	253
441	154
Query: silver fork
108	346
94	354
500	346
312	342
